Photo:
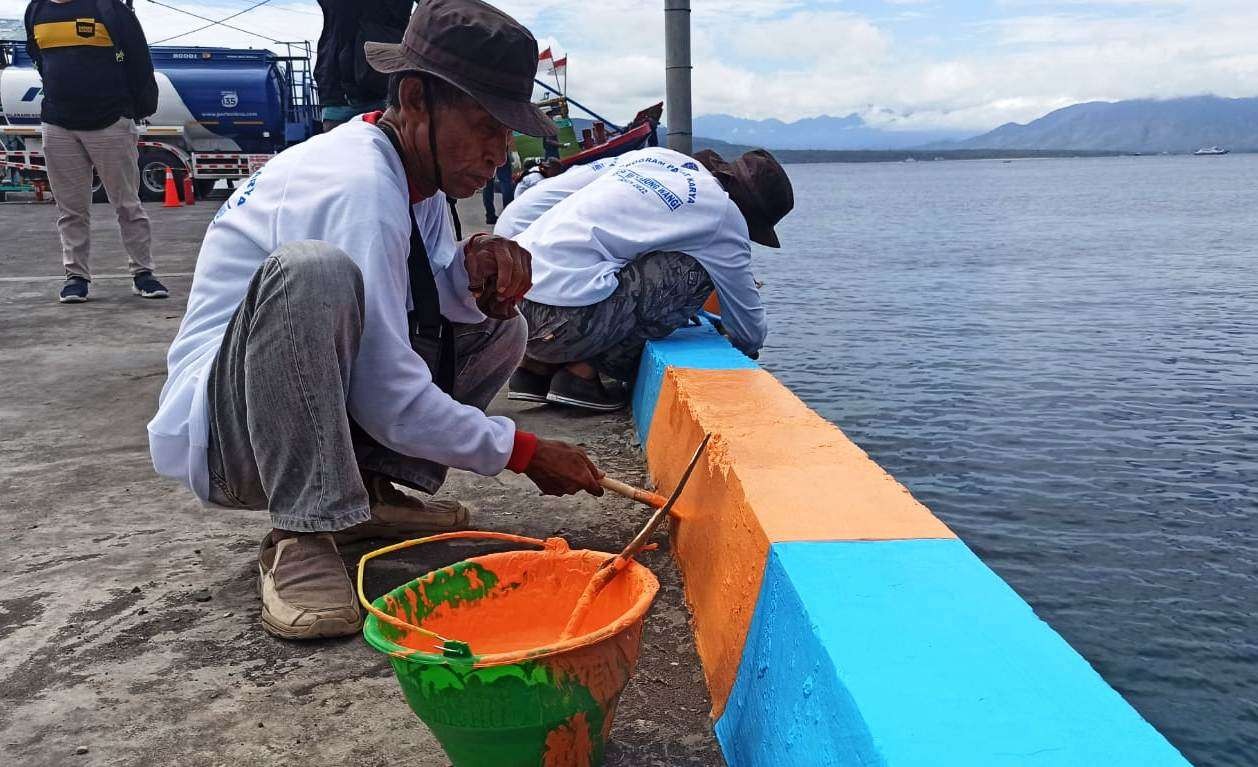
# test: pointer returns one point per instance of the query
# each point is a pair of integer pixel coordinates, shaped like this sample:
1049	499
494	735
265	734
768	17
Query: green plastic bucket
476	649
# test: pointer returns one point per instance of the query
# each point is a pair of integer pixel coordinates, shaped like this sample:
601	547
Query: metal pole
677	74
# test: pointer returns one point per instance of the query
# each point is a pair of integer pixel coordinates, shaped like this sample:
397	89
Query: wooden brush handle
654	500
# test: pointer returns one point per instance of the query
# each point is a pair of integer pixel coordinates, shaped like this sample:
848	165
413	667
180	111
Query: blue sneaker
74	291
145	285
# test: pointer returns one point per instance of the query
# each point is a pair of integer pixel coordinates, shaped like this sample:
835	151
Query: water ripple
1058	357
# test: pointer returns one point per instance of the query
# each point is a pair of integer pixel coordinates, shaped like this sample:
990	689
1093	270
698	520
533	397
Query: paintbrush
654	500
612	567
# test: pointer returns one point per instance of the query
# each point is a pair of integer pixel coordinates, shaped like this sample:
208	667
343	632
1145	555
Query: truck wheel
153	165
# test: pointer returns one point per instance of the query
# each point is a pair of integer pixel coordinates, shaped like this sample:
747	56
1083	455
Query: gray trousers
280	435
658	293
70	156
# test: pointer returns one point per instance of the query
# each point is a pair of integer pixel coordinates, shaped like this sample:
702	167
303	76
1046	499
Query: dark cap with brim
764	234
476	48
761	189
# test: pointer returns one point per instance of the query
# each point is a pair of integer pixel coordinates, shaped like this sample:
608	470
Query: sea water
1060	358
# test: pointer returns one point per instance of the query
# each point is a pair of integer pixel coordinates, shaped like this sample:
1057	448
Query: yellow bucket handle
443	644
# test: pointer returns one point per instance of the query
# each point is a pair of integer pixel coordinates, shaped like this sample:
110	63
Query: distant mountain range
825	132
731	150
1142	125
1145	125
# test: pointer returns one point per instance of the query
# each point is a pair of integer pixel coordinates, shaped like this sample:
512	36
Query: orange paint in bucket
476	648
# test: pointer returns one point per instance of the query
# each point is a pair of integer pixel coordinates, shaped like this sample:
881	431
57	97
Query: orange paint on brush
775	471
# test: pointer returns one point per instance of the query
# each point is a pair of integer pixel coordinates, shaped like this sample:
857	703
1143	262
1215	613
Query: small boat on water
1210	150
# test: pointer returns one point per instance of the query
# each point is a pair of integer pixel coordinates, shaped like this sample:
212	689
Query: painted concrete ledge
839	621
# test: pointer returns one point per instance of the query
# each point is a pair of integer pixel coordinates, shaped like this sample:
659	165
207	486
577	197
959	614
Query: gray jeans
280	435
657	293
70	156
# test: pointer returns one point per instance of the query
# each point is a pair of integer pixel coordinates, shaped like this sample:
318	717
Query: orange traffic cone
189	191
172	194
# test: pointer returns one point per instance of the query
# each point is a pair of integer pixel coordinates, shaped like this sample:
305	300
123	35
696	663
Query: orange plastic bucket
476	649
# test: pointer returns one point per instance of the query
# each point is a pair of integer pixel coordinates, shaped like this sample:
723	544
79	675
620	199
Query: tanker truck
221	113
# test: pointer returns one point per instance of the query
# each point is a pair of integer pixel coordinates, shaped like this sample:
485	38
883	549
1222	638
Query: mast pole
677	70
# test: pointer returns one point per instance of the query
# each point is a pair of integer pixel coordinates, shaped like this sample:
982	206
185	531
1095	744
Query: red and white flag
549	65
560	69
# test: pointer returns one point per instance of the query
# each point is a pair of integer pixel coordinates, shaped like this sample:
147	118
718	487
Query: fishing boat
637	134
602	139
1210	150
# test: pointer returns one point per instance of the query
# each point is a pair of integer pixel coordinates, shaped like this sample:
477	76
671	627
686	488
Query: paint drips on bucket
521	697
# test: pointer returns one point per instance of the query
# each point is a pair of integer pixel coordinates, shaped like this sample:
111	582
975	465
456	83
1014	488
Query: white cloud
795	58
275	21
807	40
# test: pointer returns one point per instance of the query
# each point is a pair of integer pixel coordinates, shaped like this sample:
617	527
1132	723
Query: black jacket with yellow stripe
94	62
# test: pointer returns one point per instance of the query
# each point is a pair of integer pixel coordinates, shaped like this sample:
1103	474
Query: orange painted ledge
775	471
804	479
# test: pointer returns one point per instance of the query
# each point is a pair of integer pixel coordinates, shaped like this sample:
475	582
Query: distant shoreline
817	156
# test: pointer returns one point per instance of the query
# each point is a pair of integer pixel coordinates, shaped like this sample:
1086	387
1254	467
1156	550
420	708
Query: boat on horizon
1211	150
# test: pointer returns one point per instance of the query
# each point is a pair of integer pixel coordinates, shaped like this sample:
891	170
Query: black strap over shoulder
425	320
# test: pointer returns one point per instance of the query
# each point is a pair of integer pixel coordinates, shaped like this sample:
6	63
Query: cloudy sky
964	64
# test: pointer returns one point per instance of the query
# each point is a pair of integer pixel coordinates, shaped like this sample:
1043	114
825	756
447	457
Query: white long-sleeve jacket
346	188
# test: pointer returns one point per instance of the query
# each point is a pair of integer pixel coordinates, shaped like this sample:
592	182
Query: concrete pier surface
129	630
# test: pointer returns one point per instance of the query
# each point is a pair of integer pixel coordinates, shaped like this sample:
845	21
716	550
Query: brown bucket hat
759	186
478	49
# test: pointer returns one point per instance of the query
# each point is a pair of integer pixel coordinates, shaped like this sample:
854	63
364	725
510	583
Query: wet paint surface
835	677
694	348
451	586
554	709
775	472
916	653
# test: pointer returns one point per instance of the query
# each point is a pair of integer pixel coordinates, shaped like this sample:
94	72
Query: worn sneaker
528	386
305	588
145	285
569	389
396	515
74	291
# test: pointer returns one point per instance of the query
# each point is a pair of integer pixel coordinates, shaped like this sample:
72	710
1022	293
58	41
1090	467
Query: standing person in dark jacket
335	55
98	81
347	85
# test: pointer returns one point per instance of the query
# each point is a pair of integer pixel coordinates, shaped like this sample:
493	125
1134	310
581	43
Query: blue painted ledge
915	653
701	348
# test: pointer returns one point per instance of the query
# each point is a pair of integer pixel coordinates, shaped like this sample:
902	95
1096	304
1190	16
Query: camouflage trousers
658	293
